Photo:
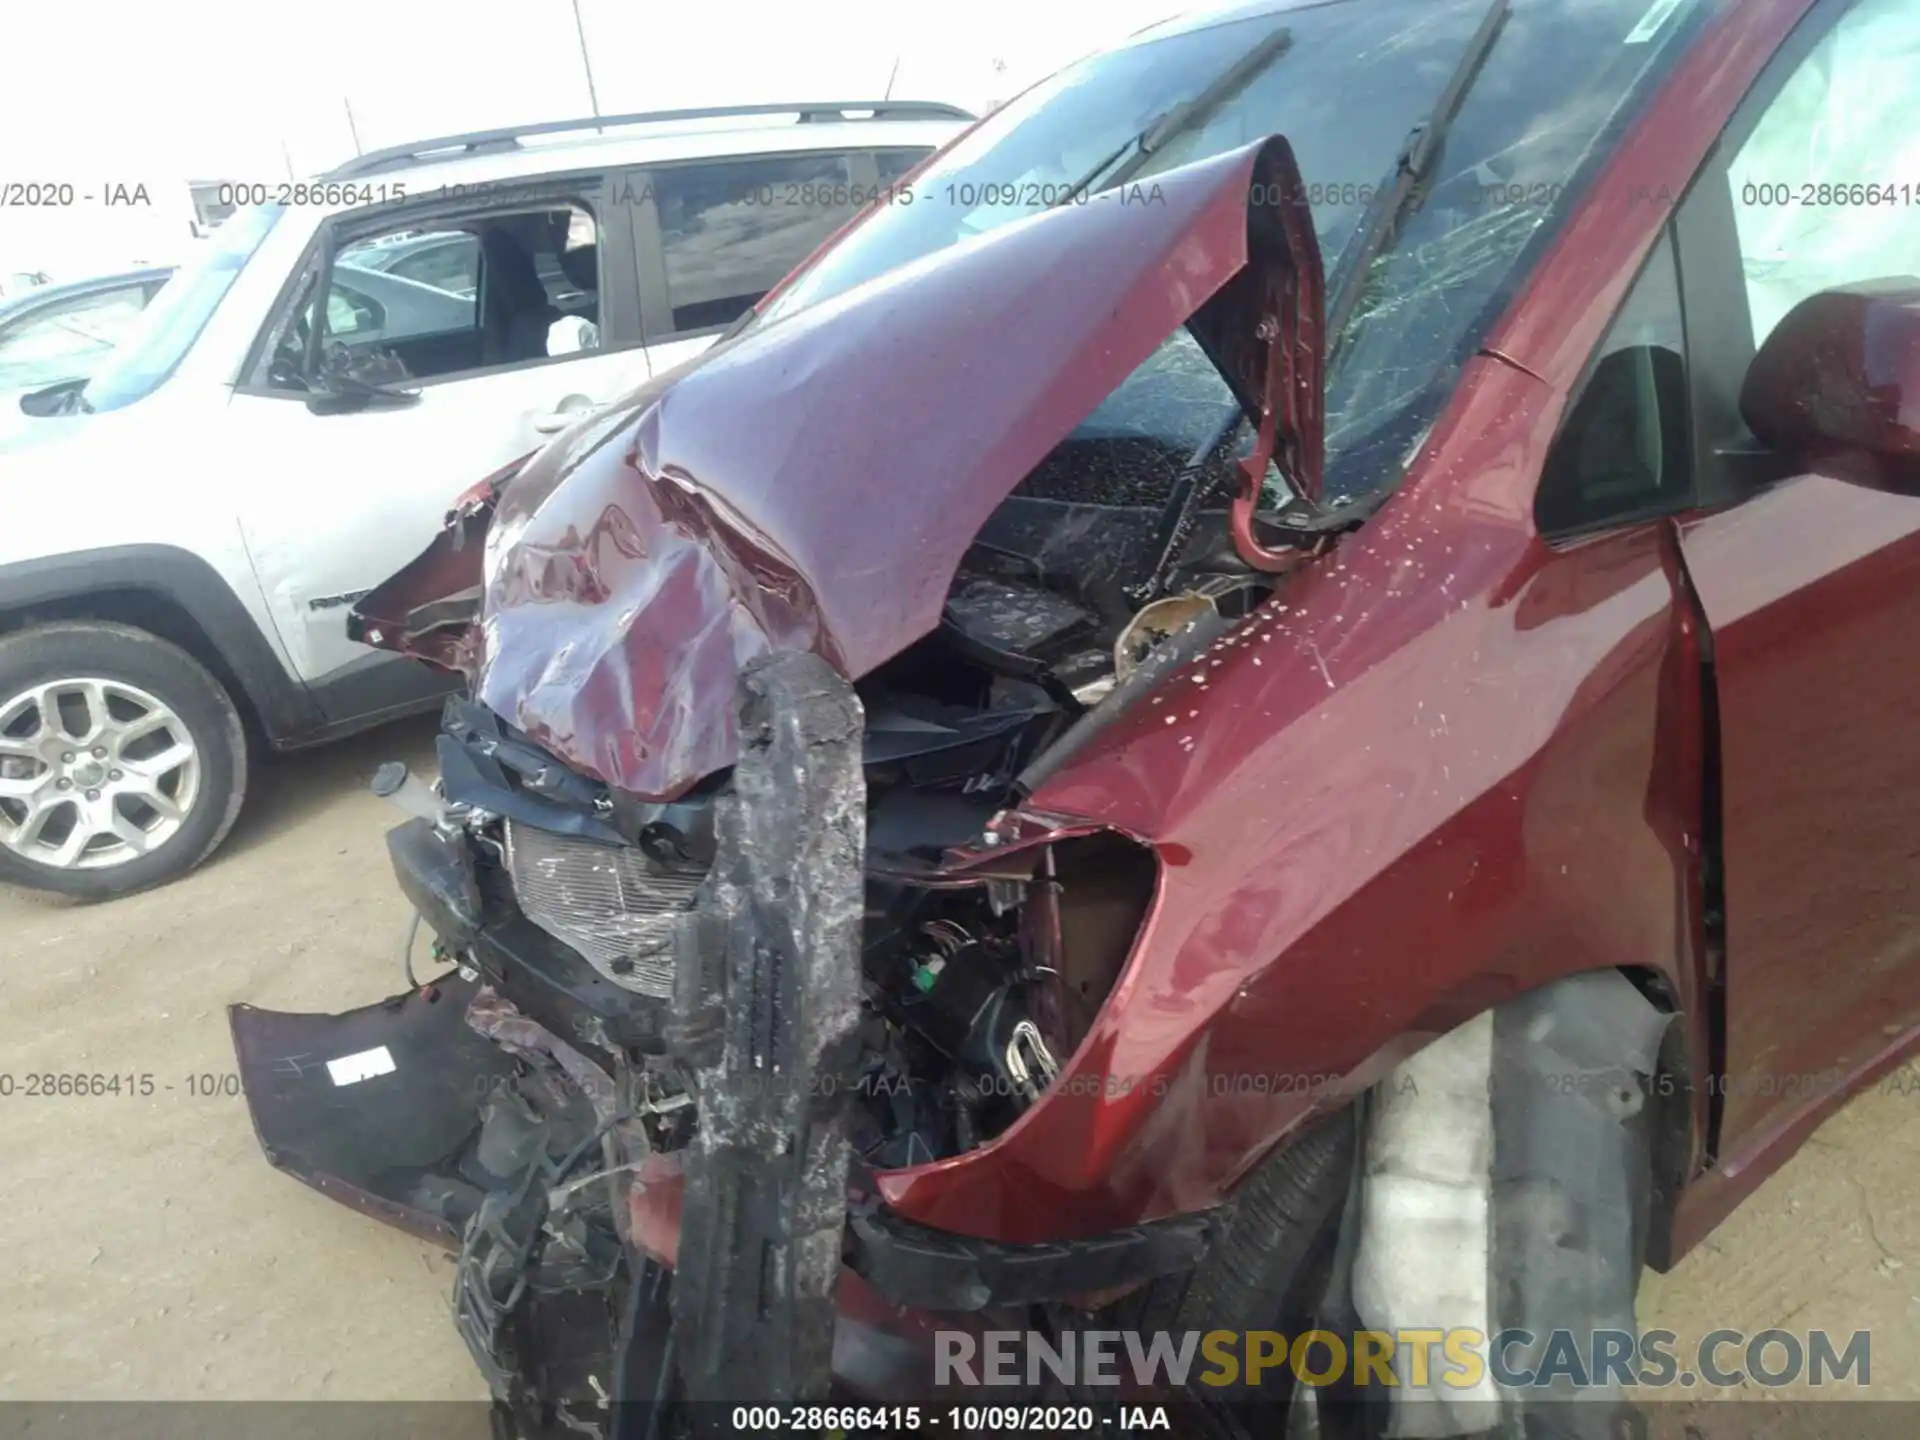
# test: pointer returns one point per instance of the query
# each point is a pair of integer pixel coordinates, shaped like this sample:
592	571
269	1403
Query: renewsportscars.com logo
1458	1359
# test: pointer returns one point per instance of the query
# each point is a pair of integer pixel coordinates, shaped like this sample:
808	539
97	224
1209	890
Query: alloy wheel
93	773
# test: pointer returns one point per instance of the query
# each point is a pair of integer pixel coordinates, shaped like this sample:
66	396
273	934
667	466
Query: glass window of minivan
170	325
1350	80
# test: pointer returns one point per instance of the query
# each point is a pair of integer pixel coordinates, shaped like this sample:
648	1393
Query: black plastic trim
379	684
435	873
509	137
910	1264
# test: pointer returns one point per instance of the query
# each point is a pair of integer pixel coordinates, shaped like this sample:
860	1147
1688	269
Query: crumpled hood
816	483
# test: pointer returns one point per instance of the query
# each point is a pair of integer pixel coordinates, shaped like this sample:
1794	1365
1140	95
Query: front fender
1375	818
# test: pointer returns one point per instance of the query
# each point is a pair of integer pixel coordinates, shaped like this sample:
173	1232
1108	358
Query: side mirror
350	397
56	399
351	382
1836	386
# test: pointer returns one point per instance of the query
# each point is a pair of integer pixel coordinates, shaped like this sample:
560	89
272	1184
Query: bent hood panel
815	485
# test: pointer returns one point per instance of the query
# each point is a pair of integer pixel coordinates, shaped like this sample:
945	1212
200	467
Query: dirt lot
154	1254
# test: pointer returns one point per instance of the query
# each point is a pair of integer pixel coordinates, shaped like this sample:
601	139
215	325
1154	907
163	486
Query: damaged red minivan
1280	694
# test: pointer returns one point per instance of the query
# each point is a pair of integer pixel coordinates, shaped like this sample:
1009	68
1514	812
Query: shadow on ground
288	790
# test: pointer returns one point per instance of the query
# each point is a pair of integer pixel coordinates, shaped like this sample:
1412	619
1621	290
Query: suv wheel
123	762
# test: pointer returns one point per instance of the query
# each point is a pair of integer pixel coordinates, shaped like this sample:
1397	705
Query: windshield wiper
1402	191
1132	156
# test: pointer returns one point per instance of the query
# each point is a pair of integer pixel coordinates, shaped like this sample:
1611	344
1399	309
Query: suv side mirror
351	381
1836	386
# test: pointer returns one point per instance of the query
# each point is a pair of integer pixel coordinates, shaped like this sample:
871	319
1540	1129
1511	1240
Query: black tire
168	673
1268	1270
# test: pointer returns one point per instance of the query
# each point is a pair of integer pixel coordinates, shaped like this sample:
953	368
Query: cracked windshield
1346	83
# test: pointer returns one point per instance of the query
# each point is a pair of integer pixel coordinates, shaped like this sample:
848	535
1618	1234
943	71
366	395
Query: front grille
608	902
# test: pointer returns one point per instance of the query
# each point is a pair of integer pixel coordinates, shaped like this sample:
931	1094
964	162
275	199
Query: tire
80	840
1268	1270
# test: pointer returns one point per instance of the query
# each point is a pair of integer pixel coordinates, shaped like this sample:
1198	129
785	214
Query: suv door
1810	587
713	236
371	399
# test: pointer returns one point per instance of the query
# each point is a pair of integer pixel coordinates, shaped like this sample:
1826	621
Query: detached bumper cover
377	1107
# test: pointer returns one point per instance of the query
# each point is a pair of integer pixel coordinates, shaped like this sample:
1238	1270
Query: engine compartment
1112	561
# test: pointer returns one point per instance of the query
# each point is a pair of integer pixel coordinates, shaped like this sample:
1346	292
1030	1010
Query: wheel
123	762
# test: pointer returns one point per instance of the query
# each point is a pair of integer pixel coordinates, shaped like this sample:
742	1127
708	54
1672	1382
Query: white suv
283	429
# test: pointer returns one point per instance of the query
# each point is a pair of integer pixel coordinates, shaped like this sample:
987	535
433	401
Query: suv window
534	293
451	264
893	164
1623	450
730	230
1823	189
351	313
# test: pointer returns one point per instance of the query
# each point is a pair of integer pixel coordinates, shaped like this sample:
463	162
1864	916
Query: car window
351	313
518	287
730	230
173	322
452	265
359	306
61	340
1623	451
894	164
1826	190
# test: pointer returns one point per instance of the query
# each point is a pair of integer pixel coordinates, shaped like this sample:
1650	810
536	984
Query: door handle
570	409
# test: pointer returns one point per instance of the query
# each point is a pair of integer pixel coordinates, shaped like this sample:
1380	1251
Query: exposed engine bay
971	1001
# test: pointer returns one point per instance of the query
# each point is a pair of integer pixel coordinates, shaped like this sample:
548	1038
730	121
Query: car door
713	236
1810	587
362	434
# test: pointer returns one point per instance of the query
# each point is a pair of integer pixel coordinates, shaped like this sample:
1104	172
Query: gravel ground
155	1255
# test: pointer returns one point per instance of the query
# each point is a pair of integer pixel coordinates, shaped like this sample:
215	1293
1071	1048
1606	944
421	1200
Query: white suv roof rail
509	138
